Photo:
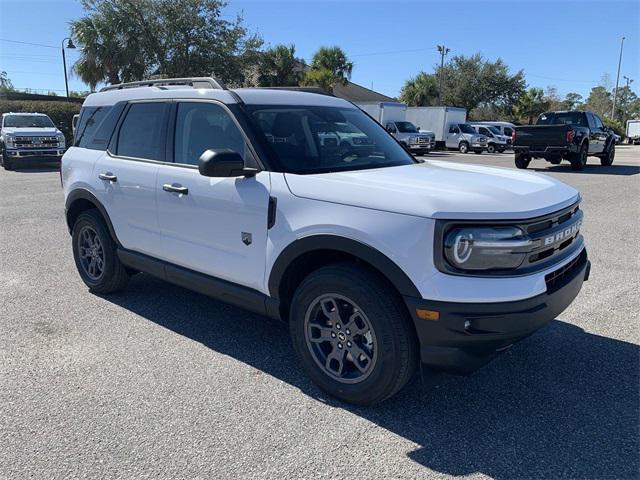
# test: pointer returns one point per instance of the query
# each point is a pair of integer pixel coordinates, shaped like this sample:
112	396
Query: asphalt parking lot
161	382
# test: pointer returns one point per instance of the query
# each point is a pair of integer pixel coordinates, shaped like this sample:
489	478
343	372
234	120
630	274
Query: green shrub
60	112
616	125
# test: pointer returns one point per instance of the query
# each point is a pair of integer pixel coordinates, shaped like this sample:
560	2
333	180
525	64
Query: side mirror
223	162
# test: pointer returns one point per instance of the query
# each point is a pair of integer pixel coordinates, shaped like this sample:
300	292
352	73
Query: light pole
64	61
443	52
615	92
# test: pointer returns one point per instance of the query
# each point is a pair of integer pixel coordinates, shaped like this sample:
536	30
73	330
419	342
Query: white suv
376	261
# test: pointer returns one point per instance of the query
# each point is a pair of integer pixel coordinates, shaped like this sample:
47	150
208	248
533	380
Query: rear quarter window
96	125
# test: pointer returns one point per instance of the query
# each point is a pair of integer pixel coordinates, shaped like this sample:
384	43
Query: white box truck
633	131
436	119
384	112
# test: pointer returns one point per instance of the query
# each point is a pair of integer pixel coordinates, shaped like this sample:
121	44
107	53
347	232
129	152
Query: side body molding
364	252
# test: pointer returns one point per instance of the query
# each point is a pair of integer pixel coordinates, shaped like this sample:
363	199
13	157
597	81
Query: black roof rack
195	82
318	90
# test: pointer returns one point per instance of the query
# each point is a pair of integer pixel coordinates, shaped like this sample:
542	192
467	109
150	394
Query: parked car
495	141
463	138
407	133
436	120
633	132
27	138
376	261
504	128
565	135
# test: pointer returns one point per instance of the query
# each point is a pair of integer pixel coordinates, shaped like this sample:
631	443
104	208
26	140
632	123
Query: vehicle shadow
563	403
614	169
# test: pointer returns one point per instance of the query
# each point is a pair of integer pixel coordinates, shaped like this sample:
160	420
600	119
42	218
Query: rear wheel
463	147
522	160
94	252
607	159
353	334
579	160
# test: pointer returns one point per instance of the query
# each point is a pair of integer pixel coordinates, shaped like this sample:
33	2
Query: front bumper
42	154
466	336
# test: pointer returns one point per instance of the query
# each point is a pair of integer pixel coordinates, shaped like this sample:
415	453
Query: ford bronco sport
376	261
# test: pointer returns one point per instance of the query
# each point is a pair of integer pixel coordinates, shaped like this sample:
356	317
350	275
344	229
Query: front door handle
108	176
175	188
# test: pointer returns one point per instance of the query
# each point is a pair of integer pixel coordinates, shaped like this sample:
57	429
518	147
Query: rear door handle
108	176
175	188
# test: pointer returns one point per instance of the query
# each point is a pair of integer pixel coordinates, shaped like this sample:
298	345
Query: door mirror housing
223	162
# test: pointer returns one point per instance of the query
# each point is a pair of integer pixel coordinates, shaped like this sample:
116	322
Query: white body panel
436	119
385	112
202	230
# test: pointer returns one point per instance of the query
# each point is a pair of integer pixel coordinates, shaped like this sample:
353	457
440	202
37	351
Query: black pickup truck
558	136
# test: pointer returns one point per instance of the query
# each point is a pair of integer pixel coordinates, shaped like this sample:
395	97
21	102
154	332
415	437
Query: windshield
304	139
466	128
17	121
406	127
494	130
562	118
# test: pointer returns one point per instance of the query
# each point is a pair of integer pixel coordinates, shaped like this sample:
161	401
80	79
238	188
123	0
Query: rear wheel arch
81	200
310	253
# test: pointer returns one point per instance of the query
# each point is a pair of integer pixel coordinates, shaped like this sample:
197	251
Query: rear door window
143	131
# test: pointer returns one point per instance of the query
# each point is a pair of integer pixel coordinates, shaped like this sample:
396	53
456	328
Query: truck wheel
353	334
7	163
522	160
607	159
463	147
579	160
491	148
94	252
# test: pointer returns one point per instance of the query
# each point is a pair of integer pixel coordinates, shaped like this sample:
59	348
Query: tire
7	163
522	160
491	148
387	340
579	160
607	159
108	274
501	150
463	147
555	161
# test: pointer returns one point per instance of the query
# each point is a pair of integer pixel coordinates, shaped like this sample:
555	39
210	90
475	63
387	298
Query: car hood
438	189
31	131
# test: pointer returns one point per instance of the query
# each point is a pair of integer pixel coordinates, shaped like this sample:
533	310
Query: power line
27	43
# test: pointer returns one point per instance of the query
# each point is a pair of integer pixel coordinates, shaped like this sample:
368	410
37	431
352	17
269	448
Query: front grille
554	234
36	142
557	279
423	140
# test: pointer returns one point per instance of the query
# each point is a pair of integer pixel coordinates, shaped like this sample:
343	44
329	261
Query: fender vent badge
247	238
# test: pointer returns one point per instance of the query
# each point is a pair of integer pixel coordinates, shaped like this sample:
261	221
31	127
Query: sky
568	45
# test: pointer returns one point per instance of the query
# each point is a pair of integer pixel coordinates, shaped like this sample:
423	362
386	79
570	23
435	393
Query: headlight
486	248
61	141
9	140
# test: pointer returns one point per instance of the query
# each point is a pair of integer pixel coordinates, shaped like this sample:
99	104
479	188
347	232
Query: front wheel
7	163
491	148
522	160
353	334
607	160
463	147
94	252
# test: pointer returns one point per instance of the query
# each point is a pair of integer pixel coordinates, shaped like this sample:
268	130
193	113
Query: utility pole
615	92
443	52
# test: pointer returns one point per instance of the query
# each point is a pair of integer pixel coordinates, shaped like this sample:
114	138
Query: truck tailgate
541	135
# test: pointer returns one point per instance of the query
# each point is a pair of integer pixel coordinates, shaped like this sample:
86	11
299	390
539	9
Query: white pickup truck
376	261
26	138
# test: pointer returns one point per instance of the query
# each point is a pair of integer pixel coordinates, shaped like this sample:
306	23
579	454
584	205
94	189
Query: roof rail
195	82
318	90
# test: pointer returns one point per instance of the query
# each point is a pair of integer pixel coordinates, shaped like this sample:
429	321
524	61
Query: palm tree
329	66
531	104
98	52
279	67
420	91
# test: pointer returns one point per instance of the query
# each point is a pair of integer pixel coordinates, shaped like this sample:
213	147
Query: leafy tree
323	78
279	67
124	40
599	101
531	104
420	91
553	99
329	66
572	101
5	83
624	101
471	81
